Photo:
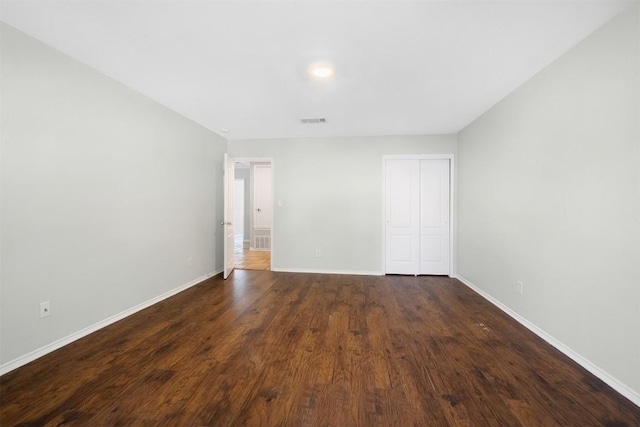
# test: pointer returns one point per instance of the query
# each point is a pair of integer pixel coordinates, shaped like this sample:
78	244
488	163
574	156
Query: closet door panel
402	194
434	216
417	233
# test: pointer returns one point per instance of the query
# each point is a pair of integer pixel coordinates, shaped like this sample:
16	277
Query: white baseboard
352	272
29	357
618	386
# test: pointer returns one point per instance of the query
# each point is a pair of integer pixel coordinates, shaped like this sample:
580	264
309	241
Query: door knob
258	209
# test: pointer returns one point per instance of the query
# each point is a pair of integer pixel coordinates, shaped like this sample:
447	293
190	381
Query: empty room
436	206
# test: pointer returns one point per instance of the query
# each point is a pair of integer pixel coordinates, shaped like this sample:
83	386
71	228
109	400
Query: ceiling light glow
321	71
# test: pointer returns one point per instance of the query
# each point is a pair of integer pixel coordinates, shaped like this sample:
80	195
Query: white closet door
434	216
402	191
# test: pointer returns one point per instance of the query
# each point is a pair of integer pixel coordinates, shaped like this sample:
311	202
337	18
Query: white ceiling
401	67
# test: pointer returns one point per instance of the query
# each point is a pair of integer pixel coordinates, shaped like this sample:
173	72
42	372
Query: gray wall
105	195
548	193
243	173
331	189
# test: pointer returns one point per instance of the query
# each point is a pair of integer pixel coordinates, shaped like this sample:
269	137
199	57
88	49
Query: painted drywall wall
105	196
331	193
243	173
548	194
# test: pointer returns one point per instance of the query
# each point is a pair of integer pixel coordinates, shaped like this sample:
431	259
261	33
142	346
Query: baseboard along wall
576	357
351	272
30	357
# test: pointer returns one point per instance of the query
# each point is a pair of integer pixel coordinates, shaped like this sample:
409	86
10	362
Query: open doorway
253	213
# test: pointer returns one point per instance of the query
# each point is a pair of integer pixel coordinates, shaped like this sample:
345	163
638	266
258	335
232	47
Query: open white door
227	223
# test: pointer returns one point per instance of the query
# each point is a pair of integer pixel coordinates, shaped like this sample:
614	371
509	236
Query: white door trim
228	248
452	198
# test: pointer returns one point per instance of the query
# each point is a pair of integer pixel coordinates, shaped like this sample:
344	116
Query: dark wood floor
279	349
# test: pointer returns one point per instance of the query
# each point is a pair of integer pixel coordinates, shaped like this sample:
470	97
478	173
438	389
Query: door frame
228	251
452	214
273	195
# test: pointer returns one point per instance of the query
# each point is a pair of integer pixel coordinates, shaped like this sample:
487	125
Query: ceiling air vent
314	120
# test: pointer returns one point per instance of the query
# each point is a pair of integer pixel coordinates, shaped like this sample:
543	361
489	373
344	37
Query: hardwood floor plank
283	349
246	259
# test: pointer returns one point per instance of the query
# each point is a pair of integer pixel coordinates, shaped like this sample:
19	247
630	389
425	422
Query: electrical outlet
45	309
519	287
190	262
318	253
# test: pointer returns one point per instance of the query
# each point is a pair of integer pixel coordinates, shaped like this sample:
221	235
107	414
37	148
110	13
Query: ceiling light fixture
321	71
